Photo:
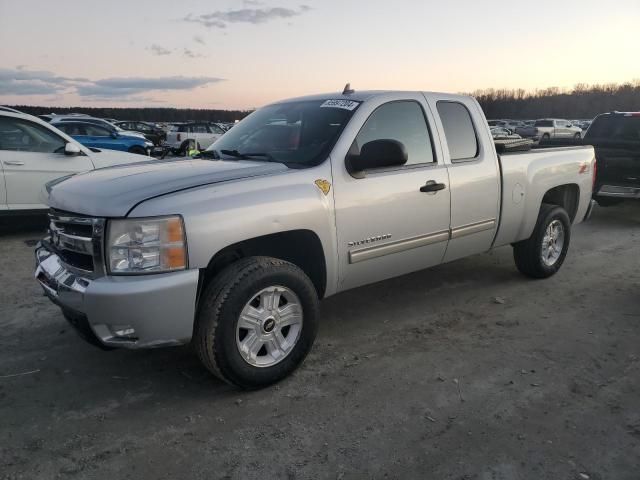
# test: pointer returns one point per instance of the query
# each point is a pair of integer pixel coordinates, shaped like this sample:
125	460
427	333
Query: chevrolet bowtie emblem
323	185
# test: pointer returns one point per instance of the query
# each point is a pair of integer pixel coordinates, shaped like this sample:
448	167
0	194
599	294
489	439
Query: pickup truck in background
33	152
301	200
182	138
549	128
616	139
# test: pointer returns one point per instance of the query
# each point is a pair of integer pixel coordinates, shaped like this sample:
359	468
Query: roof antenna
348	90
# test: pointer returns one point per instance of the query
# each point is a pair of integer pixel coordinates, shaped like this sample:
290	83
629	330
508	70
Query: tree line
161	114
581	102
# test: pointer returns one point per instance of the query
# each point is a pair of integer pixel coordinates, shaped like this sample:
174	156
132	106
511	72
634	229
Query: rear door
386	225
474	175
32	155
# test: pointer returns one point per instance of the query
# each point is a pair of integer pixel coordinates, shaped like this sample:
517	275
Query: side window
216	129
24	136
200	129
403	121
95	131
458	130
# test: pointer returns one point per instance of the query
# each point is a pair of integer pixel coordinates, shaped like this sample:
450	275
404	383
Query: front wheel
542	254
257	322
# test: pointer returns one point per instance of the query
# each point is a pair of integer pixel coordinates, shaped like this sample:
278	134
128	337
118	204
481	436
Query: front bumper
619	191
122	311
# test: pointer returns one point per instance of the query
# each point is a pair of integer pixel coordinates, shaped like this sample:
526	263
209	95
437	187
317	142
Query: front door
386	225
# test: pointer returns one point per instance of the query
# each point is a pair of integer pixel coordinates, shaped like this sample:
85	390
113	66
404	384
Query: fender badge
323	185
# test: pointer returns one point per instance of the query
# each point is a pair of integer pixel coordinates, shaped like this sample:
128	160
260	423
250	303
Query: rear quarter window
458	131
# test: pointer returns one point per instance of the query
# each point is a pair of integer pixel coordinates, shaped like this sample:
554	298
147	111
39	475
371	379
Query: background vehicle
616	138
502	133
201	134
550	128
56	119
149	130
33	153
95	136
308	197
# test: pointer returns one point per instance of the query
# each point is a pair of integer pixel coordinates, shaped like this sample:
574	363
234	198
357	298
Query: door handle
13	162
432	186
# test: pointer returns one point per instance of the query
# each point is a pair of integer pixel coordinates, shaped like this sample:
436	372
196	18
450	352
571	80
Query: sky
241	54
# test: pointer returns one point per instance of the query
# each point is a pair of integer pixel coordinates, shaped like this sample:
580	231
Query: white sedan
32	153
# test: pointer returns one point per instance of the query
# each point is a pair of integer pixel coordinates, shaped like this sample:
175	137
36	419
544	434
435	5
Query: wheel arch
566	196
301	247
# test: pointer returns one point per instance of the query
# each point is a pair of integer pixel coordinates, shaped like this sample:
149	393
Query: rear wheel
257	322
542	254
577	136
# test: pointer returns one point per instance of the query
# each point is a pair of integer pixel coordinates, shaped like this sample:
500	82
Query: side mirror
377	154
71	149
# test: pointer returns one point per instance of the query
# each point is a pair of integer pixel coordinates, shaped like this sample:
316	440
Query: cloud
255	16
20	81
252	3
159	50
129	86
199	39
191	54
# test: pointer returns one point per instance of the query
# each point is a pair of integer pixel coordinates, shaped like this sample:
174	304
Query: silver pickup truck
303	199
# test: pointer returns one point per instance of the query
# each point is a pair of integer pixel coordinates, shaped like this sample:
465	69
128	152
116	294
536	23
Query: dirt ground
465	371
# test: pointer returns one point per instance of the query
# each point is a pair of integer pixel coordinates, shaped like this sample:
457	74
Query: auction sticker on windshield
344	104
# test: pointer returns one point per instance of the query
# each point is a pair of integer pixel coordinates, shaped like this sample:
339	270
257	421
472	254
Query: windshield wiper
249	155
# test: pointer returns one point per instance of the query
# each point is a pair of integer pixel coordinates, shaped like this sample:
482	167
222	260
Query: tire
546	137
577	136
609	201
138	150
528	254
218	332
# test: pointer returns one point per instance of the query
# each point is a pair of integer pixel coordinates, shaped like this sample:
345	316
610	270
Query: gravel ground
465	371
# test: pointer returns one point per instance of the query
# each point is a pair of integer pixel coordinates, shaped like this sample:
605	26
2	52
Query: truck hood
114	191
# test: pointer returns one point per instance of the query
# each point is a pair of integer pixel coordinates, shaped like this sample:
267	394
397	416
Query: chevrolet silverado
303	199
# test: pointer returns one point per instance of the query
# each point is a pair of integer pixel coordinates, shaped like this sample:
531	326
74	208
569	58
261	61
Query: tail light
179	137
595	171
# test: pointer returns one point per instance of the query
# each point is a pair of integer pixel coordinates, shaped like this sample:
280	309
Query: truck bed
527	176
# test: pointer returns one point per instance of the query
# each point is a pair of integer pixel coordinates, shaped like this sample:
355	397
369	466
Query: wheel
542	254
546	137
256	322
609	201
577	136
138	150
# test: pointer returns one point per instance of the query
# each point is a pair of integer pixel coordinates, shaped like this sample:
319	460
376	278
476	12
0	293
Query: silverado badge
323	185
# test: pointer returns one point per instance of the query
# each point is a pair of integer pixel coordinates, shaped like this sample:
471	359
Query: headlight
146	245
148	144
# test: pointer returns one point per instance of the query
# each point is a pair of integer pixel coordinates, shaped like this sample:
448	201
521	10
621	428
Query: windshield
615	127
297	134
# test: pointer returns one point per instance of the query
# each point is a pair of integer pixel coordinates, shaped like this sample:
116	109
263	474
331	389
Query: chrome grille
77	240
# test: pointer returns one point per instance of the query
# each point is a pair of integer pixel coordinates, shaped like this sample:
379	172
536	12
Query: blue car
96	136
